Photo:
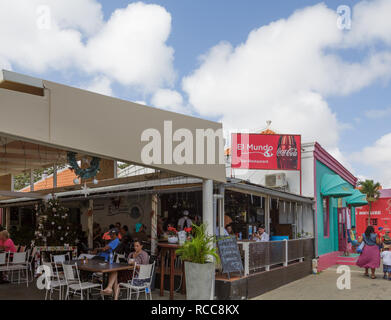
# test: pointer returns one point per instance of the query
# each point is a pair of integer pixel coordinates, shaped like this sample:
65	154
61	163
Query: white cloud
129	48
284	71
100	85
169	99
379	157
378	113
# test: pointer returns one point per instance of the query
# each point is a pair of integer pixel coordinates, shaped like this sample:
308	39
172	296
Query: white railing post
246	249
286	253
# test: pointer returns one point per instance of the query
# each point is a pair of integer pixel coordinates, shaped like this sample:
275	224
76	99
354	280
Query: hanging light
95	181
76	181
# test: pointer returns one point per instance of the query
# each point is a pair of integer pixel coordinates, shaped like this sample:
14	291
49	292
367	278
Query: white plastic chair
4	261
30	262
55	282
60	258
77	285
141	281
19	263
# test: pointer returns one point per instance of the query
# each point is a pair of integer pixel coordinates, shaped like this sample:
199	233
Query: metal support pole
55	176
90	223
154	213
31	180
8	218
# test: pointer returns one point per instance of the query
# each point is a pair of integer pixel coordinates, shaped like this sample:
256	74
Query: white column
221	209
207	215
90	223
154	213
207	205
267	214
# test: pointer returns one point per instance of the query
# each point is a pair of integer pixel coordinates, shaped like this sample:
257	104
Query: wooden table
100	266
171	248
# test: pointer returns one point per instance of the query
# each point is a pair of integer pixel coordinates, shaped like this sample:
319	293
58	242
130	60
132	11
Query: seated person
126	241
229	229
6	243
104	253
261	235
140	233
139	256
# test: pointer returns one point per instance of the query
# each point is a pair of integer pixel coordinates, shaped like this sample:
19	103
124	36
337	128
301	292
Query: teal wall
330	244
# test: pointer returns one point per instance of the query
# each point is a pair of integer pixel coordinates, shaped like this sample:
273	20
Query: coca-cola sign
266	151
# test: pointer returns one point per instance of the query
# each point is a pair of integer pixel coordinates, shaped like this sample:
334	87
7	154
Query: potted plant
172	235
198	254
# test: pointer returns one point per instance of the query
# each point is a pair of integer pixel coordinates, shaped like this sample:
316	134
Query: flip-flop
373	277
366	274
106	293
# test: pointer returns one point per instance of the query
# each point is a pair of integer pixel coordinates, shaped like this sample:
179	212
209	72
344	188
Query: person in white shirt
261	235
185	221
386	256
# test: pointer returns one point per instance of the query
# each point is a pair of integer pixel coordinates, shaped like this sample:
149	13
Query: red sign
266	151
380	216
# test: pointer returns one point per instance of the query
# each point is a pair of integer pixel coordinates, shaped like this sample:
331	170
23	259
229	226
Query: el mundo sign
266	151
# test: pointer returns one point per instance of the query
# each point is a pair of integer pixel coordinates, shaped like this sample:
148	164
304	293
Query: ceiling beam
21	194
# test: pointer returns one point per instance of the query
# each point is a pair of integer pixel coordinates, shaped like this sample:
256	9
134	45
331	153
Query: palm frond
200	248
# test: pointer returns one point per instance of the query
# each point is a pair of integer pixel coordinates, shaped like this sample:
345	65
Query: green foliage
54	226
199	248
371	189
23	180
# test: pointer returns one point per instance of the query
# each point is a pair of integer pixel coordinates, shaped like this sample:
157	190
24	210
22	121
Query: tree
371	190
54	227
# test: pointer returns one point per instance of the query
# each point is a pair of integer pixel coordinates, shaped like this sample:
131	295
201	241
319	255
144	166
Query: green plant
371	190
200	247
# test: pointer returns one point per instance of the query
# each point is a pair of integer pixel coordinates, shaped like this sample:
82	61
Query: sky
298	63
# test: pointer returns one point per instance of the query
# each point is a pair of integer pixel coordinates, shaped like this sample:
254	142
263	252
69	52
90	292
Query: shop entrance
342	232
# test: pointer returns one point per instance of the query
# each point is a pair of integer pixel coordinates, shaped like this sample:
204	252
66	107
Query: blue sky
198	26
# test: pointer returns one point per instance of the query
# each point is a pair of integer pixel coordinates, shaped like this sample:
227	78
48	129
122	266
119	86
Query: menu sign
266	151
231	260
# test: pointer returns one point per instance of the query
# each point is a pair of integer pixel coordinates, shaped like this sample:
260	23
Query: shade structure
357	199
332	185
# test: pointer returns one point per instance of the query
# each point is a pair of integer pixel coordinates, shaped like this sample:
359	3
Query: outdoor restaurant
97	190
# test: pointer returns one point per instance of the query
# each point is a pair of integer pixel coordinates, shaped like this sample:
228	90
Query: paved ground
21	292
324	287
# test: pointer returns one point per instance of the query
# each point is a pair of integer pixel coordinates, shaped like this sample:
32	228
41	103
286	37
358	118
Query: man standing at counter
261	235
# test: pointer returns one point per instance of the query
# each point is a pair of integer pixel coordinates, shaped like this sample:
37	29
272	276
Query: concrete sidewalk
323	286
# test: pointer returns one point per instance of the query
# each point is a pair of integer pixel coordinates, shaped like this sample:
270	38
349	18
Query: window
373	221
326	217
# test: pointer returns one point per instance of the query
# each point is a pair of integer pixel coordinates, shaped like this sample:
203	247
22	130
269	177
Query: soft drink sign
266	151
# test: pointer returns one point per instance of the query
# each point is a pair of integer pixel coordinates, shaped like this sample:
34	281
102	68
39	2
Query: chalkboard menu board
229	255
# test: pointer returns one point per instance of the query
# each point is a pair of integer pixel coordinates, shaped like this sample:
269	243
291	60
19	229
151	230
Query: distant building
380	213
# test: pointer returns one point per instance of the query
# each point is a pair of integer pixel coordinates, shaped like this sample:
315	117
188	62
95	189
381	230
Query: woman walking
370	255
